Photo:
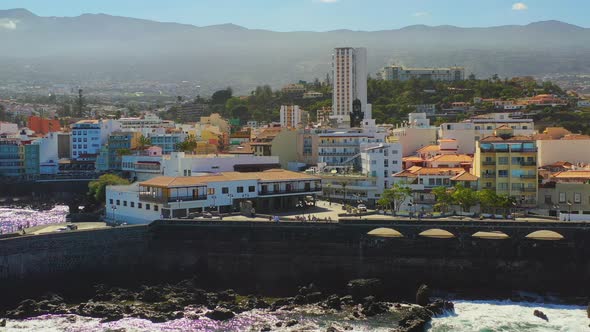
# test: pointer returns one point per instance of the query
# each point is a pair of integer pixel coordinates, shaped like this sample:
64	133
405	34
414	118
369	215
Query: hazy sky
320	15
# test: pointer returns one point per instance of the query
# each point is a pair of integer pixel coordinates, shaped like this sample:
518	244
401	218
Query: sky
322	15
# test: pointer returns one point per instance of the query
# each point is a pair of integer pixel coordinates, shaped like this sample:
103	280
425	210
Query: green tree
488	200
188	145
394	197
444	198
97	189
143	142
464	197
221	97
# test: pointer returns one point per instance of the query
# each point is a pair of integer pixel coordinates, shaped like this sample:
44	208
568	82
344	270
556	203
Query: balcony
489	163
337	153
163	200
528	176
488	176
528	163
289	192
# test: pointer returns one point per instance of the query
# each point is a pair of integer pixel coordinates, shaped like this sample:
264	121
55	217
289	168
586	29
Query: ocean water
470	316
13	219
495	316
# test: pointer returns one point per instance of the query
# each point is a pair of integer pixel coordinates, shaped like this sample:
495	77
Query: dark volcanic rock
306	290
227	296
361	288
199	296
371	307
347	300
423	295
108	311
540	314
291	322
220	314
333	302
151	295
414	320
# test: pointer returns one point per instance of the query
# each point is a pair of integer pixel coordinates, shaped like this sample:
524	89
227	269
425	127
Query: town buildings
399	73
415	134
88	136
176	197
507	165
18	158
7	128
42	125
349	66
291	116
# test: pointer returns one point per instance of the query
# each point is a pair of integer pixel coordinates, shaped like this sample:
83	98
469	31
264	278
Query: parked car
362	208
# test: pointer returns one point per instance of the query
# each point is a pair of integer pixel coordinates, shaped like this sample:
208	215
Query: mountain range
101	47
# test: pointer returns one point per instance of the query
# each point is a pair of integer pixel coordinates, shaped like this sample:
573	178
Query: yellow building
508	165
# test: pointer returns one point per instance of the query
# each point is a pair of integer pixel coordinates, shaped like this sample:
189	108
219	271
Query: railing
488	176
528	176
488	163
297	191
528	190
337	153
159	199
528	163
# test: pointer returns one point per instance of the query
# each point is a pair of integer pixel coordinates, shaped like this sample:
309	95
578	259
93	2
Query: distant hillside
99	47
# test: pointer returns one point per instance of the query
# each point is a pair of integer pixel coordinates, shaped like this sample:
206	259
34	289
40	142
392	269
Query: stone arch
545	235
385	233
437	233
491	235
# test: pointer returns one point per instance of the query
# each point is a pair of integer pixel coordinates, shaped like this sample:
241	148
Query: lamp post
569	206
556	208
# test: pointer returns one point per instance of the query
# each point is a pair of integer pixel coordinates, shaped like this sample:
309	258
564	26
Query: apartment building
349	67
89	135
508	165
414	134
291	116
399	73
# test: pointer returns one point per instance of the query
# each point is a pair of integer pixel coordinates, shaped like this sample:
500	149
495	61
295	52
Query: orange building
43	126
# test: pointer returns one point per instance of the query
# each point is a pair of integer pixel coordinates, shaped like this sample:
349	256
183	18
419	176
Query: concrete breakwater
276	258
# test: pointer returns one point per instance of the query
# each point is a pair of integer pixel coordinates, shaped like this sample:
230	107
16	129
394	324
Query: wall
269	256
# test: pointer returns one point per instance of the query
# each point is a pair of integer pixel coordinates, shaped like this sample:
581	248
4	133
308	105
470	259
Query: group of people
311	218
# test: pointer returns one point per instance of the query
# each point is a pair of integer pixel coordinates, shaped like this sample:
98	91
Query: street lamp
569	205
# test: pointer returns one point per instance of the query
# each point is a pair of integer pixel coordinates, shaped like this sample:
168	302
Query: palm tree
344	184
143	142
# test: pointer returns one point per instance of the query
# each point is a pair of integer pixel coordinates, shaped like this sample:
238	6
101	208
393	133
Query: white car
362	208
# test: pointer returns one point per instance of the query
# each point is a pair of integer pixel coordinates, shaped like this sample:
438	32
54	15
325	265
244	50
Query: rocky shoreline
361	299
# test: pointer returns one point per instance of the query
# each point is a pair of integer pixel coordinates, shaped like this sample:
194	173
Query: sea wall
275	258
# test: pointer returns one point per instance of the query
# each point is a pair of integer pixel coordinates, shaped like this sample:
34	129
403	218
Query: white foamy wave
12	220
511	316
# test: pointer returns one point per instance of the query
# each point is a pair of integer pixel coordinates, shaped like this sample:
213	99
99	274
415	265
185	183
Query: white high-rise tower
349	66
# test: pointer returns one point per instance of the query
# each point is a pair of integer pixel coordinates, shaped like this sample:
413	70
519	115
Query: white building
48	153
415	134
575	151
146	121
291	116
176	197
89	135
350	83
147	166
474	129
399	73
381	161
8	128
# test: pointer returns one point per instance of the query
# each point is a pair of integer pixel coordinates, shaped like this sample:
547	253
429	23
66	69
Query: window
156	207
139	205
251	189
225	190
503	173
561	197
210	191
503	160
240	189
548	199
147	207
577	198
118	202
111	201
124	203
132	204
